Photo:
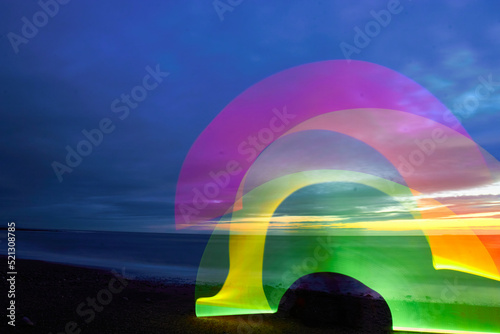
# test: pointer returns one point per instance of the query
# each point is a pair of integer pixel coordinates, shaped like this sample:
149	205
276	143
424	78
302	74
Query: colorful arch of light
225	176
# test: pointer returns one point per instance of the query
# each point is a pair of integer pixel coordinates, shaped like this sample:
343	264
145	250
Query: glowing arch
395	117
242	291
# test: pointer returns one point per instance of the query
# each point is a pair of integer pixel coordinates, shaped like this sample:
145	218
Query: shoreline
58	298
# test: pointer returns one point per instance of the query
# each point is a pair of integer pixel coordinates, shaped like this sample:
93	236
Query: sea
176	257
143	255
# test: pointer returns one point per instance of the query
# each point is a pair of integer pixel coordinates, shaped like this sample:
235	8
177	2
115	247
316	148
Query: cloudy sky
152	76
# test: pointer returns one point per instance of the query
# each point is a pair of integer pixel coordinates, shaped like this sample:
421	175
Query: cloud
64	80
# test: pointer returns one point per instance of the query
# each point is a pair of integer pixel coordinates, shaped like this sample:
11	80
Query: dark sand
49	294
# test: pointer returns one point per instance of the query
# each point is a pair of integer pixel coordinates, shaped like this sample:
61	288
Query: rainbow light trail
340	125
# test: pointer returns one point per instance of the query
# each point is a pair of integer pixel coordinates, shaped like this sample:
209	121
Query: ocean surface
149	255
398	269
177	257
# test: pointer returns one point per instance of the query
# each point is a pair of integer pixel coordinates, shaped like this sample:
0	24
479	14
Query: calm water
141	254
177	256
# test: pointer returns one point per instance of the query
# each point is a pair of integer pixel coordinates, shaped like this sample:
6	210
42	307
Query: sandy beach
56	298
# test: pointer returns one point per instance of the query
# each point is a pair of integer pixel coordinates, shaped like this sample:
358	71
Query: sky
185	61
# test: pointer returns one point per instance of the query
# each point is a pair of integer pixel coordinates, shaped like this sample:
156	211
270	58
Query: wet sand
55	298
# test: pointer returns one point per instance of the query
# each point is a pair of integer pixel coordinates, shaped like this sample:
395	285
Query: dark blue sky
64	79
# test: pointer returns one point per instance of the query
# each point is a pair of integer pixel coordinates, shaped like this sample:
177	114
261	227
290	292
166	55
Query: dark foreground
54	298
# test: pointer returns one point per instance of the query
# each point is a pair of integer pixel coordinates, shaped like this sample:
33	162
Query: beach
58	298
